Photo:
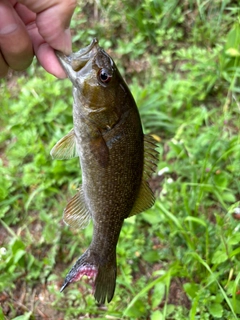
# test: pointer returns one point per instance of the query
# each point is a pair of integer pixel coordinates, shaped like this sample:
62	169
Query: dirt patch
177	295
24	299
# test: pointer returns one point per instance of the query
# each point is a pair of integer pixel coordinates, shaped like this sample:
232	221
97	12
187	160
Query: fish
116	159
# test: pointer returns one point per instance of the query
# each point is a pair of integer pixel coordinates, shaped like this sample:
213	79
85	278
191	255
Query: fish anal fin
145	198
76	214
65	148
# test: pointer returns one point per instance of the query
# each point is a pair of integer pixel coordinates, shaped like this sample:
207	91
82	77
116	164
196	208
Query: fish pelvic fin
145	198
65	148
103	274
76	214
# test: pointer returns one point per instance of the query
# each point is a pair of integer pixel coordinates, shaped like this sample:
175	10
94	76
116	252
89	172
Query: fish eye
104	76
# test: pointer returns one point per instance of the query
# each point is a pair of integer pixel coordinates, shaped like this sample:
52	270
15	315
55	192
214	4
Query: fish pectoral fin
100	151
145	198
65	148
76	214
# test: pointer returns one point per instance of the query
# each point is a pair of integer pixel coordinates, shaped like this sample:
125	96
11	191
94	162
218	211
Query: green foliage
179	260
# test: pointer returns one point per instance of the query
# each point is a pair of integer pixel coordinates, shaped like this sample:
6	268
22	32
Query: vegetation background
181	258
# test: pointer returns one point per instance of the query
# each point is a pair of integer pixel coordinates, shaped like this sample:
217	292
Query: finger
42	50
26	15
45	54
15	43
49	61
53	20
3	67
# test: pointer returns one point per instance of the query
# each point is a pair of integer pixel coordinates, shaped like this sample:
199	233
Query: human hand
29	27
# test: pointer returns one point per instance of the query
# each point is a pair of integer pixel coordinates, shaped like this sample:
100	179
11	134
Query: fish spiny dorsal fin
65	148
145	198
76	214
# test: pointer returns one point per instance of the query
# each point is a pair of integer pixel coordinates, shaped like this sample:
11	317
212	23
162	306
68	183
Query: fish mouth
74	275
75	62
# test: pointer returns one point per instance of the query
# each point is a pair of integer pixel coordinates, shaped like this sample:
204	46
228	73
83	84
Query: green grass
181	258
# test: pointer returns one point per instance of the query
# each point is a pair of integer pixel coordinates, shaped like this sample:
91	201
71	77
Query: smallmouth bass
116	161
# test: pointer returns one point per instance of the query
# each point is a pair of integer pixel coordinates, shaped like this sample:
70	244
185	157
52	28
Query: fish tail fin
104	274
105	282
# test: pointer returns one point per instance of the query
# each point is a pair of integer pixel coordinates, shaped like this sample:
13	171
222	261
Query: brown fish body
109	141
111	175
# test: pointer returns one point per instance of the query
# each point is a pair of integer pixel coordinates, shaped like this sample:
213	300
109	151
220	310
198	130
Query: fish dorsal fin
145	198
65	148
150	156
76	214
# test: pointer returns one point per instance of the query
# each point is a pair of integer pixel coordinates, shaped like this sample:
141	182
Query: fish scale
116	161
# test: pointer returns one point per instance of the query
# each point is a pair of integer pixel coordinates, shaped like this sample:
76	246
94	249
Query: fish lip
77	60
64	286
80	57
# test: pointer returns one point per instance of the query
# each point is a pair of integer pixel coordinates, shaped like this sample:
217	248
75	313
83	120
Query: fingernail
7	22
7	29
67	42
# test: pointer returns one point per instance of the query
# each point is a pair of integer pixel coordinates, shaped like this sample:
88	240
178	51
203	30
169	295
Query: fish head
98	88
